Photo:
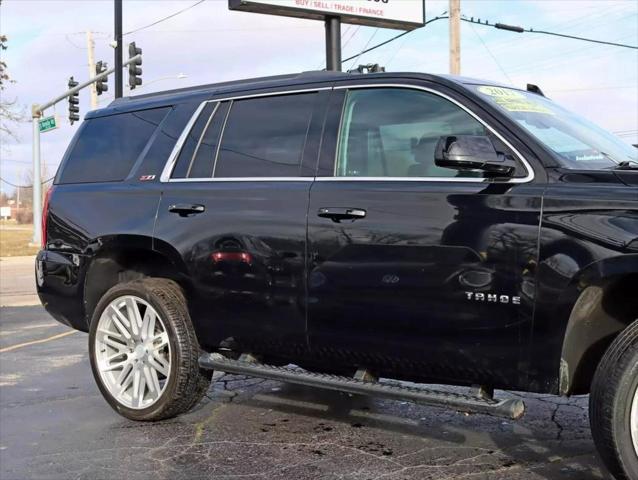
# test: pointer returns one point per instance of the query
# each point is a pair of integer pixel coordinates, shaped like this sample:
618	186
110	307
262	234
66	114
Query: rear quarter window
107	147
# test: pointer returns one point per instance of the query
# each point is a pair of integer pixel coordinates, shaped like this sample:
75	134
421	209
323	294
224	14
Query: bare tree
10	111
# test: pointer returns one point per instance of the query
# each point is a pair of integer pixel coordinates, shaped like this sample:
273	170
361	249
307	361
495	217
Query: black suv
422	228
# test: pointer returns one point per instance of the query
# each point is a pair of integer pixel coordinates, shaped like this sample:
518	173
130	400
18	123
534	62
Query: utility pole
90	48
455	37
333	43
118	48
18	194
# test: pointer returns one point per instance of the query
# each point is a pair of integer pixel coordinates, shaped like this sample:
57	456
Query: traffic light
74	101
134	70
101	85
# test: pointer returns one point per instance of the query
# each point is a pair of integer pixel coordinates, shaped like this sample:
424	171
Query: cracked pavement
55	425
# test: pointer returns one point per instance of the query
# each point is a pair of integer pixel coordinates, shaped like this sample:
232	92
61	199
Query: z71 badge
493	298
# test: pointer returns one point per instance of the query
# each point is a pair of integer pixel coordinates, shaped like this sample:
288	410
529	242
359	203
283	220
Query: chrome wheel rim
132	352
633	420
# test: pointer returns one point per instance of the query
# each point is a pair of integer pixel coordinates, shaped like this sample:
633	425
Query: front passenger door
418	270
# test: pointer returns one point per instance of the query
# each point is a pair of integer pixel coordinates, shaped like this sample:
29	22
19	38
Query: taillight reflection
237	257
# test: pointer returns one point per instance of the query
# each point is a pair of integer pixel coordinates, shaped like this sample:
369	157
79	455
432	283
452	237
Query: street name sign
399	14
48	123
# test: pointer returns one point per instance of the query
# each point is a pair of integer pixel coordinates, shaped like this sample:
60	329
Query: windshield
577	142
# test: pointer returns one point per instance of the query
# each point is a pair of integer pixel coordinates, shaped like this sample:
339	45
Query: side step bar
511	408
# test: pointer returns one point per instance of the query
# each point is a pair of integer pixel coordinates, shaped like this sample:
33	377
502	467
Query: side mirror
472	152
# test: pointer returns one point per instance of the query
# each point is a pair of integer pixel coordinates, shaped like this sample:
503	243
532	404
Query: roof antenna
535	89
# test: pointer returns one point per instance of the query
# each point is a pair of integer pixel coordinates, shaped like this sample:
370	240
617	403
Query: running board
510	408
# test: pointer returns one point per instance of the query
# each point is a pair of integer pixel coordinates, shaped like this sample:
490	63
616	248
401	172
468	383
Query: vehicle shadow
551	442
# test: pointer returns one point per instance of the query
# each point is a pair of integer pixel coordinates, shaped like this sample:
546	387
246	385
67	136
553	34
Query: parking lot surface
55	425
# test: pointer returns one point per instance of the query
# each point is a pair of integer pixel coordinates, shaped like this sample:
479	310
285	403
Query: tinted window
202	164
264	137
108	146
187	153
389	132
165	138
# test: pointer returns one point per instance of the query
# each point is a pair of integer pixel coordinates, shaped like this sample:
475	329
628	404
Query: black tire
614	388
186	382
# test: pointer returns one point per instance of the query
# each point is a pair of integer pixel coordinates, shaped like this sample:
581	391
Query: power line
491	54
551	60
584	39
396	52
26	162
165	18
402	34
517	29
364	47
351	36
500	26
68	40
24	186
345	32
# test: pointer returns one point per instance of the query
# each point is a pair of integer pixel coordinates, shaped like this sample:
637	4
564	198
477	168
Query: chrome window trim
201	137
170	164
528	168
243	179
415	179
172	158
221	136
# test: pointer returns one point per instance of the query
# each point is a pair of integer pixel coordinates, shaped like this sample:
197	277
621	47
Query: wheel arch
603	309
124	258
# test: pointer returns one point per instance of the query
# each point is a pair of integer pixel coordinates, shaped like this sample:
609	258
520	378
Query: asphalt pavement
55	425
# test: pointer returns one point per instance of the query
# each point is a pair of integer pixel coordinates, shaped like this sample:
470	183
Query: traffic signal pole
119	84
37	178
36	113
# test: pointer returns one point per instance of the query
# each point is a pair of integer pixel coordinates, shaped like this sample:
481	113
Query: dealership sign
400	14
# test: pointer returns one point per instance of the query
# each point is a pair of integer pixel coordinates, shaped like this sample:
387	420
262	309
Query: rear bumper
59	281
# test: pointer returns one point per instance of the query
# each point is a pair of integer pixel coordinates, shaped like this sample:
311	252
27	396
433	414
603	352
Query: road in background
54	424
17	282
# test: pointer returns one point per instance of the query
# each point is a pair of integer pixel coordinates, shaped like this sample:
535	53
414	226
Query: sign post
399	14
333	43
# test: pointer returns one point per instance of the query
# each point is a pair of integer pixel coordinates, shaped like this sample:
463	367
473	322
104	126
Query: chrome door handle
185	210
338	214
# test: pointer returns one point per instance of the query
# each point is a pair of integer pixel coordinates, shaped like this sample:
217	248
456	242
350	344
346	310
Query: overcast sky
208	43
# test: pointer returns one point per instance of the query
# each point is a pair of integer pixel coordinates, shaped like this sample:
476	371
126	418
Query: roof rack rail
319	73
369	68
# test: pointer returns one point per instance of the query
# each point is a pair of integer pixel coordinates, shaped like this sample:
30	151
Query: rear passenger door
424	270
233	216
